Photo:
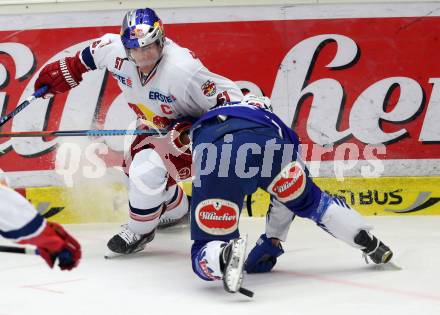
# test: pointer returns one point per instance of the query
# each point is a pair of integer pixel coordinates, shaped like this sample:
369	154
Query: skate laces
165	220
367	255
127	235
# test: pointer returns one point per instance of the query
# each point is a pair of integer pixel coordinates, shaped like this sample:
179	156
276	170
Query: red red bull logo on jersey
289	184
217	216
209	88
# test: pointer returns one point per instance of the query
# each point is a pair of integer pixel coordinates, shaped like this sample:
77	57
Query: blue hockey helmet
140	28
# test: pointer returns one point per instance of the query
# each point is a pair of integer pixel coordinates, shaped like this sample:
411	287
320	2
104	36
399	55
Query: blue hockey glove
263	257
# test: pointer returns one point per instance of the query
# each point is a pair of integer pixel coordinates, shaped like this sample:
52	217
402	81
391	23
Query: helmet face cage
141	28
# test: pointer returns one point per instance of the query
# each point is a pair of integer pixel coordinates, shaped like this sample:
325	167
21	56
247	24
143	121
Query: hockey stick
84	133
38	93
19	250
249	204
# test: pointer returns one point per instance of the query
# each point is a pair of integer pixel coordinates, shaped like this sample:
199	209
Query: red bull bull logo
137	33
209	88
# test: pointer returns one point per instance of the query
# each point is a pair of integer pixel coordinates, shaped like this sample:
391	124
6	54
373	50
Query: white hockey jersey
18	218
179	86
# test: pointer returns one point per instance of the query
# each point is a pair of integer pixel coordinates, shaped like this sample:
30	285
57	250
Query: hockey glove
55	243
61	75
263	257
259	101
179	139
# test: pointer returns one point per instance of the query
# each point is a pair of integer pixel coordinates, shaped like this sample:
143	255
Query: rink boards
391	196
344	77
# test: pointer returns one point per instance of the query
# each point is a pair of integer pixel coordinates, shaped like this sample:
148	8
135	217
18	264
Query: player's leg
176	208
149	197
263	256
292	185
278	220
178	164
218	252
215	211
346	224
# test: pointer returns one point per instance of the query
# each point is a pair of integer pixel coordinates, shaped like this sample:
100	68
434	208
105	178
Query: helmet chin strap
145	77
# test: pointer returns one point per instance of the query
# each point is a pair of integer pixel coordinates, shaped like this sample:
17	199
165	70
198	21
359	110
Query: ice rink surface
316	275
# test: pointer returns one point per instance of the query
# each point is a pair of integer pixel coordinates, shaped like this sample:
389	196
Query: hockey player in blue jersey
238	148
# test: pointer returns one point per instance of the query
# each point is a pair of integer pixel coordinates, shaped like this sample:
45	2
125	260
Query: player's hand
55	243
61	75
259	101
179	138
263	257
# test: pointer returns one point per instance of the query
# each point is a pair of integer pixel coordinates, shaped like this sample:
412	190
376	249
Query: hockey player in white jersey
20	222
164	84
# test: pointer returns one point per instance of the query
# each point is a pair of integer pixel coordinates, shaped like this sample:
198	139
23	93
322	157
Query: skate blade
233	277
111	255
388	266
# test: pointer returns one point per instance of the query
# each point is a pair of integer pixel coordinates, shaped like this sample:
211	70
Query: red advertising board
361	81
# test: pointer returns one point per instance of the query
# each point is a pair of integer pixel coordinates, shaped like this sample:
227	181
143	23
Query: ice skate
231	263
377	251
127	242
166	222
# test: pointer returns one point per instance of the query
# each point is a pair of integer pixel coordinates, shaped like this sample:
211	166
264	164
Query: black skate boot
232	260
378	252
128	242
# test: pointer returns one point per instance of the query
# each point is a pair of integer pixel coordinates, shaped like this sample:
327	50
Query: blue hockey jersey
251	113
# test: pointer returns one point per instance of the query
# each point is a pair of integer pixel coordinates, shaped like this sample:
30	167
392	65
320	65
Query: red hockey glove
173	148
55	243
180	141
61	76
